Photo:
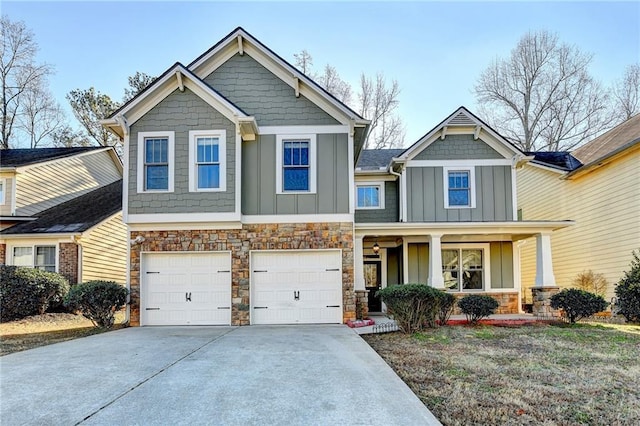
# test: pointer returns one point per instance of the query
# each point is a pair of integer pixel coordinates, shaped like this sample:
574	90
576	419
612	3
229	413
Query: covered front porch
461	258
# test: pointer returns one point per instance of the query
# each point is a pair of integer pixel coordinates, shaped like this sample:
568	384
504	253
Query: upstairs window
370	196
459	187
155	161
296	164
207	156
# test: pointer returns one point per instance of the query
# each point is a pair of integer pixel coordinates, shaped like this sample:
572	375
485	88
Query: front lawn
538	374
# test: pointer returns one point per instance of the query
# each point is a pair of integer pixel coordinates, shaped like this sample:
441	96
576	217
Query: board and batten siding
605	204
425	196
8	181
46	185
500	261
181	112
260	93
259	179
390	211
104	252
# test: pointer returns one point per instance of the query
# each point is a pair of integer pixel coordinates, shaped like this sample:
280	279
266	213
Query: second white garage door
296	287
186	288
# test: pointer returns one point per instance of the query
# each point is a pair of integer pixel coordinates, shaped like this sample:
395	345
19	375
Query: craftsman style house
61	211
244	205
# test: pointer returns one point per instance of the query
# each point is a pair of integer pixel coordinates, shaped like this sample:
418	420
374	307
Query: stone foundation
509	302
291	236
3	254
362	304
542	301
68	262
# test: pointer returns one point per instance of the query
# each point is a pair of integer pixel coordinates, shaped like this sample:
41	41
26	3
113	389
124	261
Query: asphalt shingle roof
26	156
76	215
624	134
374	159
558	160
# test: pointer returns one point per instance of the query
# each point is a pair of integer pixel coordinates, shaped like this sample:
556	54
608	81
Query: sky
435	50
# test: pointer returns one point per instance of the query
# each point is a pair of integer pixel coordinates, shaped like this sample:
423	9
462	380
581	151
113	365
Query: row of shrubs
25	292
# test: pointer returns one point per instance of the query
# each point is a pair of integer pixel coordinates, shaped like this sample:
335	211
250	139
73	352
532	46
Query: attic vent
461	120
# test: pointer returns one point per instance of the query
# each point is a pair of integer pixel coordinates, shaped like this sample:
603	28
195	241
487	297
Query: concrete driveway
271	375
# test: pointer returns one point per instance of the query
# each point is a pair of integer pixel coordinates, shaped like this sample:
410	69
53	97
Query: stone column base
362	304
542	302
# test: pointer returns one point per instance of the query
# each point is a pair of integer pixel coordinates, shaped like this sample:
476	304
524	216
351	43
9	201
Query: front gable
458	147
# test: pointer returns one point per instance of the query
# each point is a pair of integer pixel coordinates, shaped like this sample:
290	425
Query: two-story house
242	205
61	211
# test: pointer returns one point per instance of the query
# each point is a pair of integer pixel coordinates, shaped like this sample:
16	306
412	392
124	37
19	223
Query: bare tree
626	94
89	107
304	62
19	72
137	83
542	97
331	81
378	102
41	115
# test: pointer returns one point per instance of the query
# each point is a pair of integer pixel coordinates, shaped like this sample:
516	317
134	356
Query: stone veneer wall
292	236
542	301
362	304
509	302
68	262
3	254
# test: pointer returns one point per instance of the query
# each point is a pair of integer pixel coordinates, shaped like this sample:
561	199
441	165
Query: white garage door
296	287
186	288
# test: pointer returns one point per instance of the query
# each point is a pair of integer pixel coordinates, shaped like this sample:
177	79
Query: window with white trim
207	159
465	268
296	164
44	258
370	196
155	161
459	187
3	189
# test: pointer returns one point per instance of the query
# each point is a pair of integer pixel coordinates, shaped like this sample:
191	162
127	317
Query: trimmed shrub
477	306
414	306
97	301
28	291
447	303
628	292
578	304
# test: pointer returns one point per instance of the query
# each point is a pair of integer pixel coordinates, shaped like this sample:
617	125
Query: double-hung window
39	257
370	196
464	268
155	161
459	187
207	157
296	164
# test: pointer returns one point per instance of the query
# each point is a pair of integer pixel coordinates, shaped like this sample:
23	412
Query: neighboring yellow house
600	192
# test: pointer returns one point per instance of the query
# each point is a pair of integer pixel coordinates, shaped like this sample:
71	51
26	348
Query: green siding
458	147
418	263
181	112
259	93
394	266
259	179
501	259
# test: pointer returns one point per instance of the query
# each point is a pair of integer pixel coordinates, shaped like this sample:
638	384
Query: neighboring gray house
242	205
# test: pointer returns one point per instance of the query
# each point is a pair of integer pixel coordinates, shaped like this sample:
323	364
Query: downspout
125	129
401	200
77	239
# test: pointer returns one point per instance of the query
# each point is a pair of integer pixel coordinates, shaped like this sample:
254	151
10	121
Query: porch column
544	264
435	279
358	263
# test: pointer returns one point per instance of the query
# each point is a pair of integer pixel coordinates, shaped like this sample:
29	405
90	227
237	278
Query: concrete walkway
293	375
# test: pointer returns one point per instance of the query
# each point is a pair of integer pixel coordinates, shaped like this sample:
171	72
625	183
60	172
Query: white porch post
544	264
358	263
435	279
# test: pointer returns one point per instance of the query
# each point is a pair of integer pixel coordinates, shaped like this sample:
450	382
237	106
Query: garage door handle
260	307
152	309
187	296
223	271
224	307
333	306
332	270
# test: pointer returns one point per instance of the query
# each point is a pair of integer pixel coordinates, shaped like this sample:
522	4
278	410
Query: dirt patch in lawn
539	374
40	330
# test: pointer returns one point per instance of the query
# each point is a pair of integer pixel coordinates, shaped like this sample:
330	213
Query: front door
372	283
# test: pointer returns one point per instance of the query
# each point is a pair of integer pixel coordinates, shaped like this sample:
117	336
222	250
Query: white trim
296	130
14	191
460	228
358	258
459	163
3	194
514	193
383	273
381	195
313	161
405	261
222	157
517	273
33	244
127	282
351	166
297	218
183	217
486	266
547	168
403	195
238	175
170	135
375	177
125	177
472	185
184	226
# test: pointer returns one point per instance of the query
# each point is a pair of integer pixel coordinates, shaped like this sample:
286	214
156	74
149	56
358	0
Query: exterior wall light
376	248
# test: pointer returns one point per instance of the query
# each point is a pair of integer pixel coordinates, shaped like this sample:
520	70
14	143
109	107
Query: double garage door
287	287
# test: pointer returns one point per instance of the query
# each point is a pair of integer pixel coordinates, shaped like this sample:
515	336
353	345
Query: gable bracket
444	133
240	47
296	83
180	83
476	133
